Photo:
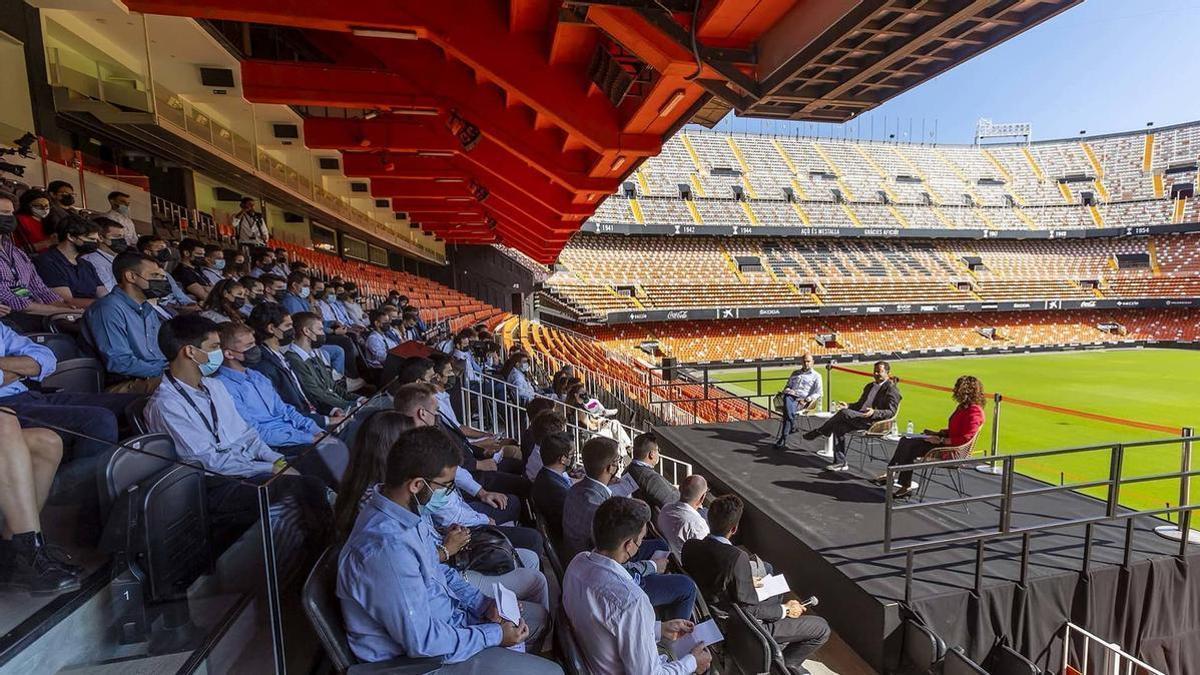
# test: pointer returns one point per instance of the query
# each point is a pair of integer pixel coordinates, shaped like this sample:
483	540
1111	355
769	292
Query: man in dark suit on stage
879	401
723	574
652	487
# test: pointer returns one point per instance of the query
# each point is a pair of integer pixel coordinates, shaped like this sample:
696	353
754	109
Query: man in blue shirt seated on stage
278	424
197	412
802	390
400	600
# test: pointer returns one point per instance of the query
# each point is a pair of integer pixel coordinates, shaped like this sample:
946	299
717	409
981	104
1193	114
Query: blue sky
1101	66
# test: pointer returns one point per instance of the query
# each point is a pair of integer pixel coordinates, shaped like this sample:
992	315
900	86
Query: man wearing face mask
278	424
201	417
254	294
177	301
118	212
187	272
112	243
381	339
430	610
63	267
263	261
314	371
274	331
212	265
124	324
62	204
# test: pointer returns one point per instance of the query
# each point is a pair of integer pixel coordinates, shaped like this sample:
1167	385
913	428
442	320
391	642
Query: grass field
1155	386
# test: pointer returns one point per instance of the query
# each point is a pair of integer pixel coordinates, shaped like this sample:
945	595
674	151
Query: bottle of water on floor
910	428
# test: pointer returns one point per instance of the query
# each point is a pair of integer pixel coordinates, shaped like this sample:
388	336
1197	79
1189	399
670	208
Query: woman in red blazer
964	423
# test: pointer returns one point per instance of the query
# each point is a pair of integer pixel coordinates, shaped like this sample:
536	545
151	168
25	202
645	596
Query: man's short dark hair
145	240
410	394
887	367
296	277
617	520
375	315
423	452
243	200
56	185
116	194
107	224
556	447
210	249
188	245
301	320
263	315
129	261
261	253
249	281
269	279
642	445
181	331
76	226
538	404
413	369
724	514
598	453
464	334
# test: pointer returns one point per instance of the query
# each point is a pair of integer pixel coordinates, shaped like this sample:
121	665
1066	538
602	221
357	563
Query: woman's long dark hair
368	464
216	300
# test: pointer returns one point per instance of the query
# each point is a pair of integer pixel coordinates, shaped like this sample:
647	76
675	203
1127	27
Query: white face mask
40	212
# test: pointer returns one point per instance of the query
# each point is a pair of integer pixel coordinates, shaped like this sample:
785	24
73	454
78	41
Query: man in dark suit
880	400
551	485
723	574
652	488
274	332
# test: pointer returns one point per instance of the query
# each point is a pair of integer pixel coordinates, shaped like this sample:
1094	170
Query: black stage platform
825	530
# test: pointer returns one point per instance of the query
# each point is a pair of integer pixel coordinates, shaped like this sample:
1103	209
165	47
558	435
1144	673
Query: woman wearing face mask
225	302
235	264
516	373
64	268
31	234
24	297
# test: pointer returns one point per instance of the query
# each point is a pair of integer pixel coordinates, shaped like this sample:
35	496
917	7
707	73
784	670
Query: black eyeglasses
444	486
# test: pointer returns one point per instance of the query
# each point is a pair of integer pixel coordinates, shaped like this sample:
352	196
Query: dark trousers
838	426
347	345
790	405
96	415
907	451
525	537
799	638
233	505
672	595
503	481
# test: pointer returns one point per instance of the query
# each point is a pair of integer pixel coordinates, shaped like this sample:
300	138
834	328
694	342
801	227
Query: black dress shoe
812	435
28	567
901	493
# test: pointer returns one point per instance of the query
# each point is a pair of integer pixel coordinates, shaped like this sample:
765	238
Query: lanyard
211	426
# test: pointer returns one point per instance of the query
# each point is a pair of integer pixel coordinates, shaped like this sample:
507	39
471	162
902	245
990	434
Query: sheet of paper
660	555
772	585
506	603
706	632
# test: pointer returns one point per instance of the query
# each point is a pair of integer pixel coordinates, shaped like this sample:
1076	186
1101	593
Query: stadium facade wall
881	309
875	232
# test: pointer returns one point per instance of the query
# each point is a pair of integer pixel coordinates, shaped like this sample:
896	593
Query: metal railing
1007	494
1109	659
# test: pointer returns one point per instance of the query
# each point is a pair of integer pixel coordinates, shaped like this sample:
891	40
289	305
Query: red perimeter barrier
1034	404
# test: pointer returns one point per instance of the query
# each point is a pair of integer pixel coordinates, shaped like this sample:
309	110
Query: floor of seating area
827	529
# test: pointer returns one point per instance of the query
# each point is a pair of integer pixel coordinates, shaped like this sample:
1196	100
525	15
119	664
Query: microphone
812	601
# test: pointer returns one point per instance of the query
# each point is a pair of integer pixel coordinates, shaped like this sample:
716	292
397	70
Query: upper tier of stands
750	180
601	273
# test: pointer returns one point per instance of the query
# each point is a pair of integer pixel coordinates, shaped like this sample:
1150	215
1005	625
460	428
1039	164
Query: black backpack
489	552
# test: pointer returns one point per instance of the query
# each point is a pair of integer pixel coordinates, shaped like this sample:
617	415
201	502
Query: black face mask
239	303
163	256
67	200
318	341
8	224
158	288
252	356
256	299
279	294
86	247
118	245
287	337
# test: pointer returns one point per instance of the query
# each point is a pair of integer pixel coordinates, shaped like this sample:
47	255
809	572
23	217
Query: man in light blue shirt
278	424
298	289
802	390
400	600
124	326
112	242
381	339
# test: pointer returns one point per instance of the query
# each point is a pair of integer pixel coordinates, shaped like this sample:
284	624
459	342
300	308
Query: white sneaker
838	467
826	453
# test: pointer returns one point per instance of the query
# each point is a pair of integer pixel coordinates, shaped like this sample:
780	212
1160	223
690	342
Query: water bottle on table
909	429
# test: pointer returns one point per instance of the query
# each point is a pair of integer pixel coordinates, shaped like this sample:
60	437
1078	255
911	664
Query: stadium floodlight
985	128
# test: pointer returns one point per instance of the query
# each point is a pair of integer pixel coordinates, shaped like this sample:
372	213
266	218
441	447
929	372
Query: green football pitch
1149	386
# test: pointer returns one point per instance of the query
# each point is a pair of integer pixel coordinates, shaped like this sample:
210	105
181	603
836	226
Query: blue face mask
304	291
437	501
219	265
213	364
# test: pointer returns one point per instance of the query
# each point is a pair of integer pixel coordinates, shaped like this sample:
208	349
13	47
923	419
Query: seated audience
24	297
681	521
723	573
279	425
533	409
516	373
373	442
274	288
673	594
315	373
225	301
235	264
212	264
964	423
274	332
62	204
63	268
398	599
118	212
546	423
27	563
612	617
254	294
112	243
202	418
177	301
32	235
553	482
187	272
380	339
879	401
295	300
95	415
652	487
124	326
803	388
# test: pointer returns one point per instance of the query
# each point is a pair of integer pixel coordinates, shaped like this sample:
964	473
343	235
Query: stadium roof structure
508	121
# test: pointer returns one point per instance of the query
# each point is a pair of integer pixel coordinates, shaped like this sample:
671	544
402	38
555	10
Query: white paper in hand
772	585
660	555
506	603
706	633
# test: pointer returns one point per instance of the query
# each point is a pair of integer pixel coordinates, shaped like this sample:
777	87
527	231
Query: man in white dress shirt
118	212
610	615
682	521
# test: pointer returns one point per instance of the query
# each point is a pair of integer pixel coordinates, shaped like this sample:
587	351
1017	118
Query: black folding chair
1005	660
135	414
83	375
957	663
922	650
64	346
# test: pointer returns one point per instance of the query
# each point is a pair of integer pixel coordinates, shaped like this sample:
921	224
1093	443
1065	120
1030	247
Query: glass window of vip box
324	239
